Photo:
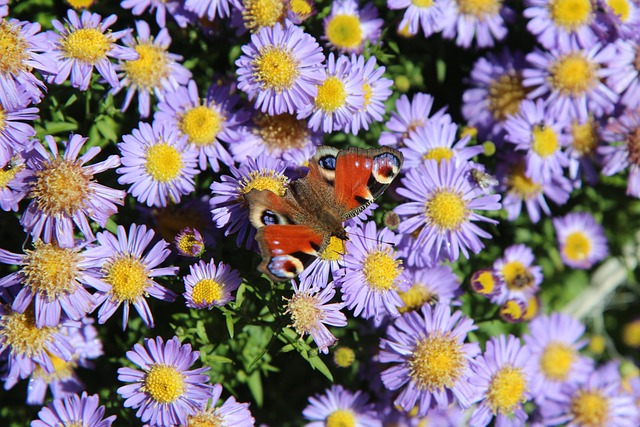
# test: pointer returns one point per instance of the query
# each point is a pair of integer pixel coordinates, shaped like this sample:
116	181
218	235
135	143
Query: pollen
344	357
590	408
415	297
62	370
86	45
479	8
423	4
51	270
483	282
512	311
22	335
507	390
205	419
570	14
206	291
163	162
556	361
368	94
522	185
150	69
14	52
516	275
437	362
301	8
620	8
263	13
545	141
8	172
584	137
202	125
574	74
341	418
62	187
344	31
164	384
438	154
128	278
275	69
335	250
381	270
331	95
281	132
264	180
506	93
305	313
577	246
80	4
447	210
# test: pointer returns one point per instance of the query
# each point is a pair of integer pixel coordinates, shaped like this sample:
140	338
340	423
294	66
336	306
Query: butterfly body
293	229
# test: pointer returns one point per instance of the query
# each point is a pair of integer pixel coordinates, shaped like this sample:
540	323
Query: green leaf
255	386
230	326
317	363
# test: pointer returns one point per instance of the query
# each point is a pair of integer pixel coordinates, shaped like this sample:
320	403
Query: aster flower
433	285
483	21
254	15
347	27
63	192
415	345
409	115
310	311
371	278
228	206
189	242
502	375
208	286
619	156
340	406
556	22
164	390
10	194
206	123
4	8
157	163
74	409
442	204
340	95
138	7
554	342
84	42
520	277
623	16
208	8
431	16
26	51
582	150
230	414
300	10
623	72
328	263
15	135
156	69
128	271
485	282
376	92
570	78
280	69
581	239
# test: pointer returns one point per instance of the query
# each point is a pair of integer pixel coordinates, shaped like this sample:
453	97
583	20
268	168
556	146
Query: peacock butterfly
293	229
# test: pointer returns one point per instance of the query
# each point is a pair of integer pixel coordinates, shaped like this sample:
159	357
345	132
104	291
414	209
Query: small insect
485	181
523	280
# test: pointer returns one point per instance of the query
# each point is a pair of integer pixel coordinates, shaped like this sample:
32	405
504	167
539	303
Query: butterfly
294	229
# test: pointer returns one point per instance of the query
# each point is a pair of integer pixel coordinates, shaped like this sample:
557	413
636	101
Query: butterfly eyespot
269	218
386	167
327	162
285	266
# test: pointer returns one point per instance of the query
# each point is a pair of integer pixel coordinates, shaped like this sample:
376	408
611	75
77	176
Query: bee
485	181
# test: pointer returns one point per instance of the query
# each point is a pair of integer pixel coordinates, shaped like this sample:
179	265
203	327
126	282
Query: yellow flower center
164	384
447	210
80	4
633	146
202	125
51	270
597	344
62	187
189	243
262	13
533	307
344	357
86	45
331	95
505	95
368	94
584	136
512	311
128	278
422	3
205	419
150	69
577	246
484	283
305	313
590	408
335	250
506	390
574	74
163	162
341	418
281	132
631	334
438	154
570	14
206	291
344	31
8	172
414	298
13	50
437	362
381	270
264	180
545	141
556	361
620	8
479	8
22	335
516	275
522	185
275	68
302	8
62	370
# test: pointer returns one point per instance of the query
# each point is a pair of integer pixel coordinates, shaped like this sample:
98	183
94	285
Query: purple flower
431	16
617	157
230	414
128	271
208	8
557	22
80	410
156	70
582	151
430	360
623	73
280	69
520	278
63	192
208	286
138	7
441	209
4	8
485	21
15	135
347	28
164	390
189	242
328	263
157	163
581	239
434	285
10	192
253	15
338	406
